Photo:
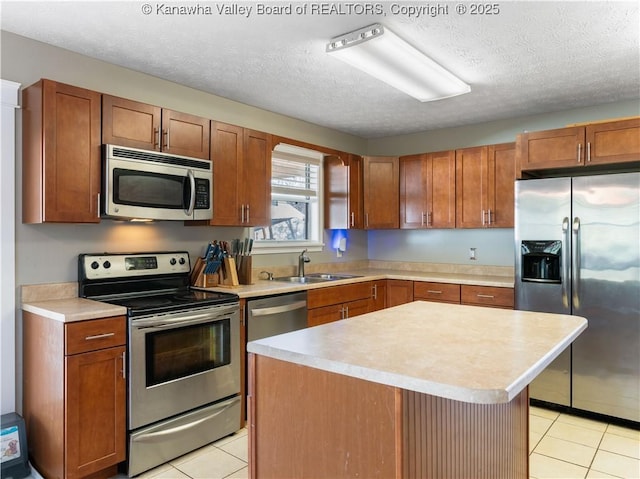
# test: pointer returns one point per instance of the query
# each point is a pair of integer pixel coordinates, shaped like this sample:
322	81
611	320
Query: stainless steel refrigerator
578	252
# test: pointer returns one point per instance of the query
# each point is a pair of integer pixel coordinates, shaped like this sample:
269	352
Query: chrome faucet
302	259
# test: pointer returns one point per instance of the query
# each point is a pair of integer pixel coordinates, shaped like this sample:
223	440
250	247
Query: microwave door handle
192	193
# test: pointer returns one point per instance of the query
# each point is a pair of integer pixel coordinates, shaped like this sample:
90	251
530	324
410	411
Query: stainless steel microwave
140	184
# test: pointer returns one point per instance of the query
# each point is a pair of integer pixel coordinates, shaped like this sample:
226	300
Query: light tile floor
562	446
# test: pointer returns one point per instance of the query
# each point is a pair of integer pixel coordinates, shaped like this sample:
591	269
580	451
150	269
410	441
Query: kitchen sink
314	278
332	276
300	279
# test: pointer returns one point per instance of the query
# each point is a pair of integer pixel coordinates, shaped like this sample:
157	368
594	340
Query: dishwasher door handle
279	309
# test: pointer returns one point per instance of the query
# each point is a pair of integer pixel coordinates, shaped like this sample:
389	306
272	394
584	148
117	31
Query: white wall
9	103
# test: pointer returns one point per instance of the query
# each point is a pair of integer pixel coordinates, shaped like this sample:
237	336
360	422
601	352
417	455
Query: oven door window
154	190
184	351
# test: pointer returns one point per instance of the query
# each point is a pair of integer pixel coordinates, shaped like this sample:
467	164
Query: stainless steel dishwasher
276	315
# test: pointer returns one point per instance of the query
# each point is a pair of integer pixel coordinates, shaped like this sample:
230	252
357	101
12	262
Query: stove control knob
106	264
182	261
172	261
95	265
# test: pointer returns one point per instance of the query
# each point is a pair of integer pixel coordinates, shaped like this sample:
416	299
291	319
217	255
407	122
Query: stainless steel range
183	353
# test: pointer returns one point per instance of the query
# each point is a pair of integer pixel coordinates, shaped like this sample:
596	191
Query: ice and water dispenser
541	261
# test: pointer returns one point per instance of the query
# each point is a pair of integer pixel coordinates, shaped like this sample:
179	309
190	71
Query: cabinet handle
156	134
166	134
429	218
374	291
489	216
487	296
248	220
433	291
353	221
422	219
346	312
483	217
124	365
589	152
241	213
366	220
579	152
99	336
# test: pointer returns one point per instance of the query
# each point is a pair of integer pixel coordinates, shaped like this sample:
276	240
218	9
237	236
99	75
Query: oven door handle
167	323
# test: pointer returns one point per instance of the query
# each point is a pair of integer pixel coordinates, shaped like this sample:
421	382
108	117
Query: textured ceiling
530	57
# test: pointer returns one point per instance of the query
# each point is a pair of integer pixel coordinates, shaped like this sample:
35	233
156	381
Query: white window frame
269	247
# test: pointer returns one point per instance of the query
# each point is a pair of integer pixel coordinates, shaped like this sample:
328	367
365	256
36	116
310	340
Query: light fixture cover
379	52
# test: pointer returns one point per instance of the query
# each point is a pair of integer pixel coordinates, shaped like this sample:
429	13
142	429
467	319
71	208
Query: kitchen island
420	390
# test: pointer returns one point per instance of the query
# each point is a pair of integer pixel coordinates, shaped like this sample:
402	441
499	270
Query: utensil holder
229	274
244	270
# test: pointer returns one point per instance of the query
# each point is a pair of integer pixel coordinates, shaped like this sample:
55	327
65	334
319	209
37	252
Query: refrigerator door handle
575	263
565	263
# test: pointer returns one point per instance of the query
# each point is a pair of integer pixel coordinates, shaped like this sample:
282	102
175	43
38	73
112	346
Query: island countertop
465	353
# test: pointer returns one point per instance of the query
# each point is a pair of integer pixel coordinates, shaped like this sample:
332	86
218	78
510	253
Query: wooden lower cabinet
438	292
487	296
309	423
399	291
378	295
74	402
334	303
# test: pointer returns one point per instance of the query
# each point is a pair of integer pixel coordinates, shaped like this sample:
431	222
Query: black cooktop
144	283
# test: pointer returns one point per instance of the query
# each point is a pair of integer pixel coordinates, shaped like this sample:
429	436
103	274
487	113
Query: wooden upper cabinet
427	190
241	176
485	178
381	185
599	143
613	142
343	191
256	174
61	154
139	125
500	199
227	155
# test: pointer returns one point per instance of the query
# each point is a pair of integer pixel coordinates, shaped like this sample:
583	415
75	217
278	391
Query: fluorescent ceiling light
382	54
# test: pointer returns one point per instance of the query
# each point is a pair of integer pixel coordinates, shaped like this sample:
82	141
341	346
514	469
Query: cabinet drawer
442	292
338	294
91	335
487	296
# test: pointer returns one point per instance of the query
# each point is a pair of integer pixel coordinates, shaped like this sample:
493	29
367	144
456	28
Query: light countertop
466	353
73	309
60	301
265	287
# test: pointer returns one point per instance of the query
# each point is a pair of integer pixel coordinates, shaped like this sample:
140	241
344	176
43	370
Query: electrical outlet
472	254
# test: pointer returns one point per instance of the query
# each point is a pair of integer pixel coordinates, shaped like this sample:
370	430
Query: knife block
228	273
244	270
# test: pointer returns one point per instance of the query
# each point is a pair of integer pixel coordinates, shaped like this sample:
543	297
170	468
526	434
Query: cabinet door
336	191
381	192
325	314
437	292
356	308
356	214
613	142
399	292
471	187
378	299
500	193
413	191
441	189
130	123
95	411
559	148
256	178
487	296
227	154
184	134
61	154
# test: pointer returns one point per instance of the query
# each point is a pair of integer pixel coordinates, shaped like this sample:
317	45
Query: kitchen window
296	201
